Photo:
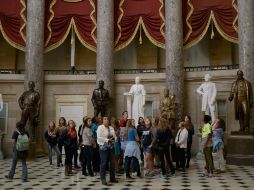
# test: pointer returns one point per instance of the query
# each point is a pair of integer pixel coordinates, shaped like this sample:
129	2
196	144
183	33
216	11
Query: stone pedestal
1	140
246	42
32	150
240	149
128	102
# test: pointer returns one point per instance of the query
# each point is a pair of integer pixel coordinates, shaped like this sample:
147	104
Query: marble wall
12	87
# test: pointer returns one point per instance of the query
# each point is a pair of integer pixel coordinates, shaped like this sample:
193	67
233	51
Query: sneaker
210	175
173	174
163	176
24	180
113	181
8	177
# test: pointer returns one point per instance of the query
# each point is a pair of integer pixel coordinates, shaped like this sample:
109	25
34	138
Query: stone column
246	41
34	53
105	43
174	55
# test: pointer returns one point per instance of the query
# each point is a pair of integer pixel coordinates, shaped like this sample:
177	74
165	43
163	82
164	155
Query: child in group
147	144
164	136
132	151
218	128
206	134
20	141
60	142
51	136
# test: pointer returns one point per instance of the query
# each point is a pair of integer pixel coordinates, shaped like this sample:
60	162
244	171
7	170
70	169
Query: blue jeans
107	156
14	164
56	149
135	165
87	153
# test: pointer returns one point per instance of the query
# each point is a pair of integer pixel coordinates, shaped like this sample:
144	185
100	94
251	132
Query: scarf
72	133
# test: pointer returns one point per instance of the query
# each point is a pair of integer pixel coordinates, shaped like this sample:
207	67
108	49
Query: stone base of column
1	152
35	151
240	150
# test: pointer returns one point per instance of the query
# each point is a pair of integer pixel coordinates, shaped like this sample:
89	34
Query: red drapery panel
12	22
61	15
131	14
197	15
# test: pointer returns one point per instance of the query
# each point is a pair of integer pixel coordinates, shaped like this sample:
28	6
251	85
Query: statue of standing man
208	92
241	91
29	103
100	100
138	92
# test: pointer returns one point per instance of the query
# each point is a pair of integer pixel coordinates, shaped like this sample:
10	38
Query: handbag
107	145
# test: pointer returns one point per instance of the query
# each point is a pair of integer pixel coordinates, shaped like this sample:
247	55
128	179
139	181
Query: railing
124	71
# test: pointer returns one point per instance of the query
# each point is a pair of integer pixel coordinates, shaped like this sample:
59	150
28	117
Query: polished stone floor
42	176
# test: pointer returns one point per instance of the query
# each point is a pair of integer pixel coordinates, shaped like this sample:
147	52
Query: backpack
22	143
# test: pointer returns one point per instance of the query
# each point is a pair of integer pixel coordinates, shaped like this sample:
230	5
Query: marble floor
42	176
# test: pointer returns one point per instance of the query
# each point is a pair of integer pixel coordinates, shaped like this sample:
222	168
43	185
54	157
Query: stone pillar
105	44
246	41
174	55
34	54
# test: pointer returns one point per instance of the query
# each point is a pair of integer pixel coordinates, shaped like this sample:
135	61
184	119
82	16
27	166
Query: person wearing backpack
20	140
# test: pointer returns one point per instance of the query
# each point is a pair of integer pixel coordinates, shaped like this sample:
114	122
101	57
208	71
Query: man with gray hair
208	92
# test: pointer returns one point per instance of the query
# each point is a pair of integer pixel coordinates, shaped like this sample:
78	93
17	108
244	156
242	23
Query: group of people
124	146
123	143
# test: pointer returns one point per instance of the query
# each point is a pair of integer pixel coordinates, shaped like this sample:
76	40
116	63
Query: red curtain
198	14
12	22
130	14
62	15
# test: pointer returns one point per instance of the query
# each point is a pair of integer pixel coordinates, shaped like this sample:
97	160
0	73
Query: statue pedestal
128	100
32	150
199	155
1	140
240	149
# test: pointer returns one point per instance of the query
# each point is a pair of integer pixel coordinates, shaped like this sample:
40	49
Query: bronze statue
29	103
241	91
168	106
100	100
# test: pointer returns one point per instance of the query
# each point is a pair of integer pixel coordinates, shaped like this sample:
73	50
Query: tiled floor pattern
42	176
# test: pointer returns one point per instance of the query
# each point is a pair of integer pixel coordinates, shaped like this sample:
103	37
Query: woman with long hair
218	127
87	146
51	136
117	145
147	144
140	129
181	145
60	142
132	151
164	137
105	139
190	129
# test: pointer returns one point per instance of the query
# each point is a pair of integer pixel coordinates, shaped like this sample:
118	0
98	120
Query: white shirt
182	137
102	134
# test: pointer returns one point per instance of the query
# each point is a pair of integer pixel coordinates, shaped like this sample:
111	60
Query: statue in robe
138	93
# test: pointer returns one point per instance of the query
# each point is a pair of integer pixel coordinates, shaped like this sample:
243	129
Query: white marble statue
138	93
1	103
208	92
